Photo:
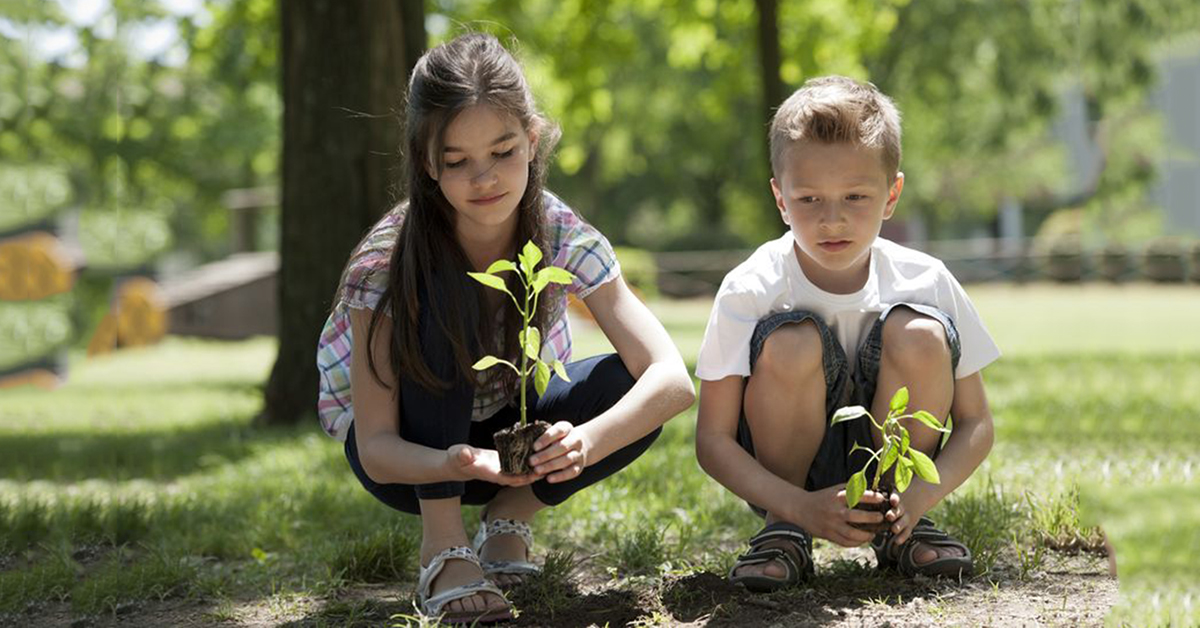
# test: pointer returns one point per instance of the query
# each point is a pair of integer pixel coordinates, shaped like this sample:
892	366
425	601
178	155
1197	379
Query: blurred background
182	180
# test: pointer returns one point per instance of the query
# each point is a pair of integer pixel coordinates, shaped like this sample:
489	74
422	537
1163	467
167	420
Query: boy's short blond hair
836	109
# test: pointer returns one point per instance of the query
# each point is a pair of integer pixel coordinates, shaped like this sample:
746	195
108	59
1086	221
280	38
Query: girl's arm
663	388
387	458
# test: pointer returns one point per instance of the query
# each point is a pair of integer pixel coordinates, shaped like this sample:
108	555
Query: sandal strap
430	573
782	531
433	606
765	556
496	527
924	533
510	568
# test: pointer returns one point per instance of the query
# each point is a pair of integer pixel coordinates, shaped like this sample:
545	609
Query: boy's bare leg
510	503
442	527
785	408
916	355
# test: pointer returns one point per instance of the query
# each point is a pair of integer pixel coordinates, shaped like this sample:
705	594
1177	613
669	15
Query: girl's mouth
488	200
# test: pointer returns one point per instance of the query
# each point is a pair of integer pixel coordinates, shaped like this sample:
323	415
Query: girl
396	354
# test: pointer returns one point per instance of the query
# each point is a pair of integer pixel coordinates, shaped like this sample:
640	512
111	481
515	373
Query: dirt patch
848	592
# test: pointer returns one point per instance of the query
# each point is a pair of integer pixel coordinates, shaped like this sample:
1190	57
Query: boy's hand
902	519
562	451
472	463
827	516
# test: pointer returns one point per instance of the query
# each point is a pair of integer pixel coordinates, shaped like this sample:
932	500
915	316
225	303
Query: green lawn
140	488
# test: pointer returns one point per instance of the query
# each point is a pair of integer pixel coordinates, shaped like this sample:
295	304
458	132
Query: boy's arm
968	445
822	513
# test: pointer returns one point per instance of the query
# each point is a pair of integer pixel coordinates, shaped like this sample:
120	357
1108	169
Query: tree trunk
345	67
769	57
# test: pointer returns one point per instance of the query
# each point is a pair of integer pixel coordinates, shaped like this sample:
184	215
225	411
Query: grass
141	480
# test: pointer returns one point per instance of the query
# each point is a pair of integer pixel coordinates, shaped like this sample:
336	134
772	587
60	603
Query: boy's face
834	198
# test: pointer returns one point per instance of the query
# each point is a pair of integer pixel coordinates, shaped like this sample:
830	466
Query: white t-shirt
771	281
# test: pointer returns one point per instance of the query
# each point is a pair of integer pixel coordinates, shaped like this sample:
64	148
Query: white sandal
495	527
432	606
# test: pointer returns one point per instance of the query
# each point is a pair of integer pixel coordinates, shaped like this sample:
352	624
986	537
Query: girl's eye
455	164
505	154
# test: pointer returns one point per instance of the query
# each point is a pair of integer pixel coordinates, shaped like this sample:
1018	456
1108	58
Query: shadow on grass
155	454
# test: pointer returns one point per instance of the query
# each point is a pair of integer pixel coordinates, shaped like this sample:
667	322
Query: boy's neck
846	281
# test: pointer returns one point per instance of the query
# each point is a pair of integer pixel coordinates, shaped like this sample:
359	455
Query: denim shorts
844	386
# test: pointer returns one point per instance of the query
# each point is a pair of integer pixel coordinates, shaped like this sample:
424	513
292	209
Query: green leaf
529	257
488	361
531	340
925	468
539	281
849	413
490	281
930	420
500	265
899	400
541	378
561	371
904	474
890	456
558	275
905	440
855	488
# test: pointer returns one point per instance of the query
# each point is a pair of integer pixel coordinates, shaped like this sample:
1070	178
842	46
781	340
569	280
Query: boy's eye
856	197
807	199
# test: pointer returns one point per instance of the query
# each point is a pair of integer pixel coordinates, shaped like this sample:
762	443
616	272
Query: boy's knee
908	335
791	350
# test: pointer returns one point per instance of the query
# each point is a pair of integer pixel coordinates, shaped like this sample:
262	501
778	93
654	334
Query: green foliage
383	555
895	449
534	282
639	270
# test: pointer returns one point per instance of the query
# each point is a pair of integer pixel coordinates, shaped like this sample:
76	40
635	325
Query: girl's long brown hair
428	267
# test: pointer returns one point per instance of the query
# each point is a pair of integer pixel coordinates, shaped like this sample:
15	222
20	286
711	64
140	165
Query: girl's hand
562	451
472	463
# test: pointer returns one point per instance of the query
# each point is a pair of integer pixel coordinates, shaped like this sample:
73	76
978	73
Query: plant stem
524	354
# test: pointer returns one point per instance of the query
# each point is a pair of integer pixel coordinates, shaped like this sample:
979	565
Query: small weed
550	591
380	556
984	520
122	579
1057	525
639	552
1029	559
51	580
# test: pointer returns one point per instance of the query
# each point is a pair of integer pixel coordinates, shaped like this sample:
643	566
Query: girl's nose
486	176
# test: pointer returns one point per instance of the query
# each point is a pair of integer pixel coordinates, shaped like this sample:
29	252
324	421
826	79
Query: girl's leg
596	384
442	527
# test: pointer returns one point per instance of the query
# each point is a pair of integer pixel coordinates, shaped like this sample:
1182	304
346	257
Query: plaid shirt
574	245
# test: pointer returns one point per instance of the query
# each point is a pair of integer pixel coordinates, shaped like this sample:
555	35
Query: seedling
516	443
895	449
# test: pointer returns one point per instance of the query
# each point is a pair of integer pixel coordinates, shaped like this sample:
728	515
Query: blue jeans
844	386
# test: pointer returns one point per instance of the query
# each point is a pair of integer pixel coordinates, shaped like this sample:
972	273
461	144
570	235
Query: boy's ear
894	196
779	201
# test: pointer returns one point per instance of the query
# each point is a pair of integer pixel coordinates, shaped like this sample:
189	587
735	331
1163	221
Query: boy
831	315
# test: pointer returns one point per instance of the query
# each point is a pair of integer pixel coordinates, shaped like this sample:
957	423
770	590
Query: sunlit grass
142	479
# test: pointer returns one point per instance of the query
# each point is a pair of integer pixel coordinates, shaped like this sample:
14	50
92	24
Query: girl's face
484	169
